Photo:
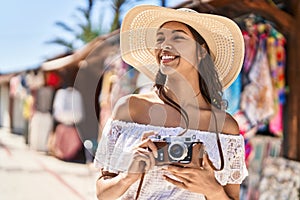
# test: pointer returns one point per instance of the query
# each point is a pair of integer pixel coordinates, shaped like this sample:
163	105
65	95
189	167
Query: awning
79	55
5	78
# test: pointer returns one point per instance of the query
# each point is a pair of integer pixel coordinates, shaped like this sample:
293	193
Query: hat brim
222	35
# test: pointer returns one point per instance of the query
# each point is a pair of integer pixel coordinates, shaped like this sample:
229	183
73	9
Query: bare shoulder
130	106
230	125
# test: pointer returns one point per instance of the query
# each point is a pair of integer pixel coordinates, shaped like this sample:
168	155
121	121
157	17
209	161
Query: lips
166	58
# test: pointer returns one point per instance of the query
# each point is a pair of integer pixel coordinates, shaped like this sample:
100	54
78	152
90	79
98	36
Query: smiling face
175	48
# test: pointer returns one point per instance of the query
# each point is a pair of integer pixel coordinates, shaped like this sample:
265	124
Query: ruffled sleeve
114	151
235	170
104	148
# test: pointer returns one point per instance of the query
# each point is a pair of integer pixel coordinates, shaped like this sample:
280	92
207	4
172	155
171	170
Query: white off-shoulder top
119	137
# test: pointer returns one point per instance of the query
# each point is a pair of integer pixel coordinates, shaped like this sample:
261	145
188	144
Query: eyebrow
174	31
182	31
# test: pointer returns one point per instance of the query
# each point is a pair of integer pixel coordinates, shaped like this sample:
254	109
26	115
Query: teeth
166	57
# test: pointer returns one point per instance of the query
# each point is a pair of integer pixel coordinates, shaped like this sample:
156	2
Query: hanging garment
257	98
16	89
276	123
44	99
251	43
66	142
53	79
28	108
40	127
68	106
35	80
276	55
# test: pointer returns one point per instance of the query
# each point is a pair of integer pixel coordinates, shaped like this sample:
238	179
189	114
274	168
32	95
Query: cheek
188	53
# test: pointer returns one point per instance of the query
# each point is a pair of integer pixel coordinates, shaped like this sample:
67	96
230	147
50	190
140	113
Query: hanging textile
251	42
35	79
257	97
263	80
68	106
276	55
53	79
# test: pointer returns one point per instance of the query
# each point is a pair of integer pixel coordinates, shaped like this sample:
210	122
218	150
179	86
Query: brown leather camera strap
219	147
140	186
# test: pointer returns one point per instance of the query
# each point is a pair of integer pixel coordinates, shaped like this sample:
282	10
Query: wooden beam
221	3
268	11
292	121
261	7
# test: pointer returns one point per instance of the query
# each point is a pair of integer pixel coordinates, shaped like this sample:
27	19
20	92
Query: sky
26	26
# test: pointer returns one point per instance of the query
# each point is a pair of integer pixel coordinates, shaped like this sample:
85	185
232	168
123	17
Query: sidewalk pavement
26	174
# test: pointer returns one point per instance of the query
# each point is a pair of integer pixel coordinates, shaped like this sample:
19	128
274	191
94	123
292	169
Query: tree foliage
84	31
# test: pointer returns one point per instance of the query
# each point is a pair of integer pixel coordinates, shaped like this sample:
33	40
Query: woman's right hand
143	158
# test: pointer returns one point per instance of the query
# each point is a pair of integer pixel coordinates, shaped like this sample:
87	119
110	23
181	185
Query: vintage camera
174	149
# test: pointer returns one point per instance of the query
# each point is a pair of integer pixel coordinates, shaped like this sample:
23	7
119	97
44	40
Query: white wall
4	106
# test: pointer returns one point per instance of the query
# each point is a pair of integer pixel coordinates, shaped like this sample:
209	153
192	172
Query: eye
159	40
178	37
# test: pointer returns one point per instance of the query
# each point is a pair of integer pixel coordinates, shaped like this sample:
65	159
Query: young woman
191	57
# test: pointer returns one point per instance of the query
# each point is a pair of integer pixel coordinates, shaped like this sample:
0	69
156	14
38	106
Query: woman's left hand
199	180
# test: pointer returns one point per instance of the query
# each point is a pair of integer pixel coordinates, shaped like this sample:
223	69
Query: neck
185	91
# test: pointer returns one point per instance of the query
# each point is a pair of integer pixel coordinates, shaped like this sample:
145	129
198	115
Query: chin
167	70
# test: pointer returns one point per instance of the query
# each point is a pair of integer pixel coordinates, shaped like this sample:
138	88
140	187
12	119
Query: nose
166	47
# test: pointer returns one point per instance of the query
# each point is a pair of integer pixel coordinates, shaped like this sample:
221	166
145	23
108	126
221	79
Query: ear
201	52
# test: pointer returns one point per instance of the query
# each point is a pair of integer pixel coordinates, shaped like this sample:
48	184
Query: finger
140	155
147	134
182	178
140	163
143	144
152	147
147	164
150	158
206	162
147	143
175	182
184	174
178	169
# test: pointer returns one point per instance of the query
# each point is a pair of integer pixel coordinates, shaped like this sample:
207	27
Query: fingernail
155	154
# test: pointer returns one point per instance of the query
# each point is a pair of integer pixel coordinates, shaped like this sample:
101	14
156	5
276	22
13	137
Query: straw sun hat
222	35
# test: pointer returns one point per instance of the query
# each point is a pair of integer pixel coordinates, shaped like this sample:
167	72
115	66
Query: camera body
174	149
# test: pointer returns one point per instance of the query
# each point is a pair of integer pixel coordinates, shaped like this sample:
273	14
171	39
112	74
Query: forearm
231	192
113	188
221	194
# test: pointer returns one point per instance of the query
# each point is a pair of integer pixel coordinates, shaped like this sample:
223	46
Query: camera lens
177	151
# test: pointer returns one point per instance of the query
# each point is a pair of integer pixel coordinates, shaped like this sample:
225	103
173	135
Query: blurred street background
26	174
